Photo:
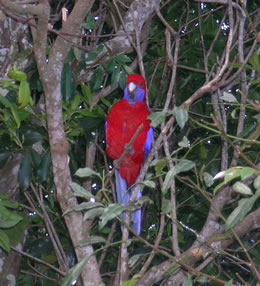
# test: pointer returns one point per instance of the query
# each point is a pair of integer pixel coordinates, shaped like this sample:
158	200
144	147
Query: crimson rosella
123	120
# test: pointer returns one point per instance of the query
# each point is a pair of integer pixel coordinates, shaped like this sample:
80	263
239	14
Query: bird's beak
131	89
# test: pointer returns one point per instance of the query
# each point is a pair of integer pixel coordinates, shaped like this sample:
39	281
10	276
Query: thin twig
255	105
237	148
108	241
53	235
39	261
156	244
38	275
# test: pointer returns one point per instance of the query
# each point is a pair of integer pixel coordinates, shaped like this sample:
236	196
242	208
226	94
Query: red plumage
122	122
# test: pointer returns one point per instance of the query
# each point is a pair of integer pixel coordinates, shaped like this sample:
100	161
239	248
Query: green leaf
256	82
90	23
74	272
16	233
157	118
149	184
8	84
122	79
86	92
9	204
115	76
184	143
70	57
229	283
203	152
44	167
91	56
110	66
168	180
68	85
229	175
132	281
203	280
228	97
4	241
129	282
232	173
167	207
111	212
92	240
254	61
133	259
257	183
127	69
86	172
75	102
241	188
105	102
122	59
3	196
22	113
8	218
208	179
209	28
24	94
80	191
247	172
36	158
139	203
4	101
184	165
31	137
14	110
93	213
25	172
100	48
181	116
97	79
218	187
17	75
94	113
159	165
187	281
83	206
238	214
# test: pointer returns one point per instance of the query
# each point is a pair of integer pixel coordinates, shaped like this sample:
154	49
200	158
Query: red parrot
123	120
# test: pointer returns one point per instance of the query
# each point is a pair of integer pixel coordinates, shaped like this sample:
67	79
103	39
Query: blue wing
148	142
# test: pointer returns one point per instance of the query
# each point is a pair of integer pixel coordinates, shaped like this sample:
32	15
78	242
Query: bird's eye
142	84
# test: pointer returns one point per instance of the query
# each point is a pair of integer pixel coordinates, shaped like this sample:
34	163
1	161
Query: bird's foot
116	164
129	149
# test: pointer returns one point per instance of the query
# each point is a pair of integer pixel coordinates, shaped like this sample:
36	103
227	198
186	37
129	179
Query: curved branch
216	243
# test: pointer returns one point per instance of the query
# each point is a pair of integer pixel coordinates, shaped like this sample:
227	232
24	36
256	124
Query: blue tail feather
123	197
136	215
121	189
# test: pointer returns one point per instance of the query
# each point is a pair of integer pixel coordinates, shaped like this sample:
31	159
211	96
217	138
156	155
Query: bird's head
135	89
